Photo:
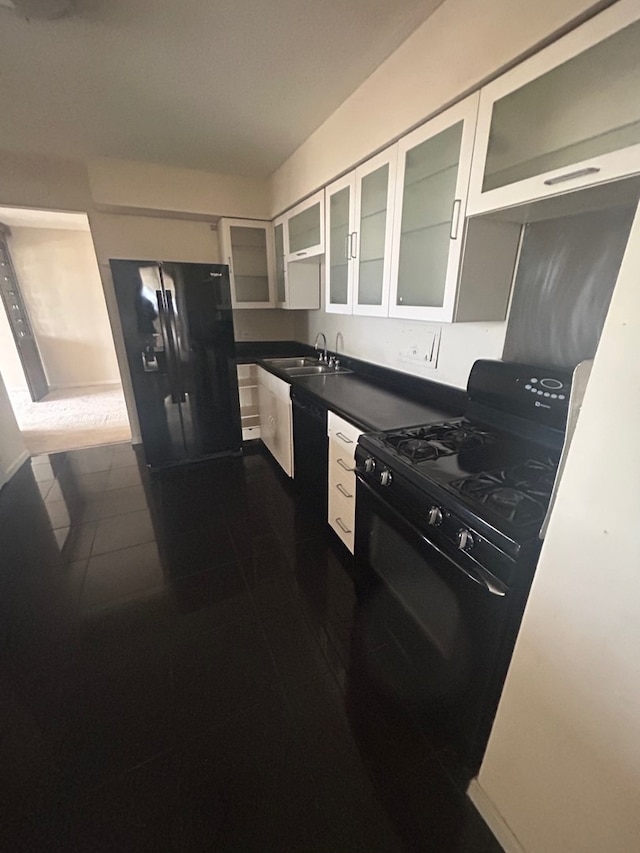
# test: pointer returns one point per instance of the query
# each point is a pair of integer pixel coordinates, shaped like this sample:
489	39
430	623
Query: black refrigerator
178	333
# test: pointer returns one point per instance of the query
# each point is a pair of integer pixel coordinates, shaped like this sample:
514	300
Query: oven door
432	635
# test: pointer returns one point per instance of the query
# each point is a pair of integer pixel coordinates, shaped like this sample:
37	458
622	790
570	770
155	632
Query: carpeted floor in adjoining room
72	418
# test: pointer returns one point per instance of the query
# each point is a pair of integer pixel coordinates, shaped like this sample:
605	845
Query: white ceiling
24	218
228	85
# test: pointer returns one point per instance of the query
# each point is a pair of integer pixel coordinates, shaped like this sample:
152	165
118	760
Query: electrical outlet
423	352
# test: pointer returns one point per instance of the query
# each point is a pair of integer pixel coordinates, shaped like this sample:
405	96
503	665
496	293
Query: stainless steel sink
313	369
287	363
303	366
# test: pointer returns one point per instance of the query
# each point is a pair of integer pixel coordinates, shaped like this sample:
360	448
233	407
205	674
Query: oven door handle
477	575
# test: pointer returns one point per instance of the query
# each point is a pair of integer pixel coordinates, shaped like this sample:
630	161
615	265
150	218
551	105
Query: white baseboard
17	462
492	817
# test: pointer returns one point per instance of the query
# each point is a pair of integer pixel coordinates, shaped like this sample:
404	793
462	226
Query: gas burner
433	441
519	494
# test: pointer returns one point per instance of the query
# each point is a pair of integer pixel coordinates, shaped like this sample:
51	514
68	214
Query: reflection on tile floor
178	673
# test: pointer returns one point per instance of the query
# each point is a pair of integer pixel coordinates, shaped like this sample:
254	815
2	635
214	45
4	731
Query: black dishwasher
310	450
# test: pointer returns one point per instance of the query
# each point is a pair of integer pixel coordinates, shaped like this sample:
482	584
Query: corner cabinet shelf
246	245
564	119
249	401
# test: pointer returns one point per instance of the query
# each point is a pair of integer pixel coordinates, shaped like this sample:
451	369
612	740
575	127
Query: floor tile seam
120	601
168	580
93	555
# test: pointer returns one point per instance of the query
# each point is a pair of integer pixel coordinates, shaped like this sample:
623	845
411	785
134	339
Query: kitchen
460	346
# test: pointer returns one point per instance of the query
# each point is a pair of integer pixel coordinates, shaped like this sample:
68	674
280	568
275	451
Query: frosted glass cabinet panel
278	236
340	233
359	228
371	250
431	190
305	227
247	247
566	118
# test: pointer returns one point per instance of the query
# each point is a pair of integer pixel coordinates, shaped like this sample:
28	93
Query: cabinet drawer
343	432
341	517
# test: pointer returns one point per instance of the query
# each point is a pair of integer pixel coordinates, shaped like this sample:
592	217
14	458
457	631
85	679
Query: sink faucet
322	335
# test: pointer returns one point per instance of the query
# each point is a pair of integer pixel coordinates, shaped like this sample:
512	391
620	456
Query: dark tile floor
177	674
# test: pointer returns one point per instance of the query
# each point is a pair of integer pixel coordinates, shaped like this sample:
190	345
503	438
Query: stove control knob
465	540
385	477
369	464
435	516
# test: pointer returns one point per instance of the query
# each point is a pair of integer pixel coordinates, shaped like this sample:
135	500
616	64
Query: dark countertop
373	398
368	406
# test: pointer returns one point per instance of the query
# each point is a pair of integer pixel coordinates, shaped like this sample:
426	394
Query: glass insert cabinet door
434	163
281	288
371	246
566	118
340	236
305	227
247	247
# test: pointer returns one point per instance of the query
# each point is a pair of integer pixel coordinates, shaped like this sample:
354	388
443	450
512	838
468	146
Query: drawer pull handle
343	491
342	525
344	465
344	438
570	176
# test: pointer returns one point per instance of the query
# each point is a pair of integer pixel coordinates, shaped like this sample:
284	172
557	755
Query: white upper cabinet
340	234
566	118
432	181
375	184
298	281
246	245
359	230
305	228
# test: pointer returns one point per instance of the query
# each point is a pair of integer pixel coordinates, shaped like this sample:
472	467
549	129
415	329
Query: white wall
382	341
563	763
10	364
12	449
150	186
61	287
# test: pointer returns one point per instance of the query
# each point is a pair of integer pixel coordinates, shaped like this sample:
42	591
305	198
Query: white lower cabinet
341	509
276	419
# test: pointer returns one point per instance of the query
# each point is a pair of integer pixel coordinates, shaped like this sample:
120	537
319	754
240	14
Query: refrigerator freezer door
198	298
145	325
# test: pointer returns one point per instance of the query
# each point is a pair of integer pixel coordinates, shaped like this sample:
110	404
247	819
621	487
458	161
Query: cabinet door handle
570	176
342	525
353	250
455	218
301	254
344	438
344	465
343	491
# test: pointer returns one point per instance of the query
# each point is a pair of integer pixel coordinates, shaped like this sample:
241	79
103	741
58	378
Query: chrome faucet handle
336	362
332	361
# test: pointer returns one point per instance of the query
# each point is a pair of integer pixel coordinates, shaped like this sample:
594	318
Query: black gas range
447	539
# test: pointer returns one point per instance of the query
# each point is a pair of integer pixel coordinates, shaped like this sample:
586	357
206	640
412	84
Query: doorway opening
57	356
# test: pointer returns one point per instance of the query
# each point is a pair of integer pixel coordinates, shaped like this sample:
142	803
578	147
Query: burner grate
433	441
519	494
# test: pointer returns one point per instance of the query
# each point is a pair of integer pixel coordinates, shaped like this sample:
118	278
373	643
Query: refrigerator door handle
173	333
168	345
